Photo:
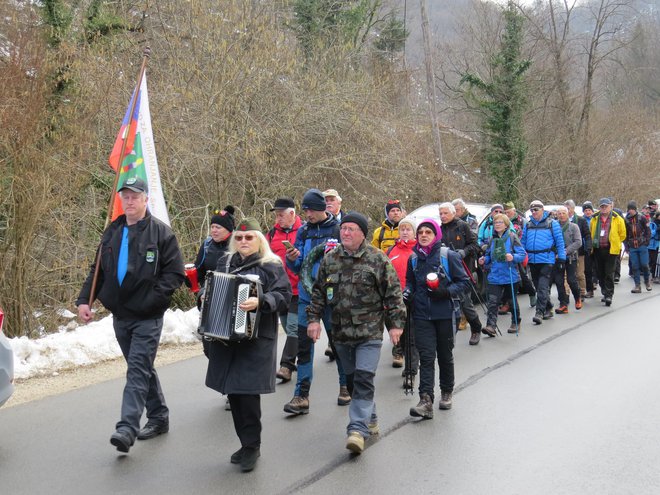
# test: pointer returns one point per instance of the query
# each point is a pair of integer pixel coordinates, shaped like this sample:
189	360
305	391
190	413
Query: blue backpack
444	258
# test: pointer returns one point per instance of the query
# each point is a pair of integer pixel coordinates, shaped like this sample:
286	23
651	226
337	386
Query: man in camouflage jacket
360	284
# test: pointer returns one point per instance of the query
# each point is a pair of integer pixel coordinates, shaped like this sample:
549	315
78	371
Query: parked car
479	210
6	365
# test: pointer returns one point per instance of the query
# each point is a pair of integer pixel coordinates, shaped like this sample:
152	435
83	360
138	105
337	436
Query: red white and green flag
139	154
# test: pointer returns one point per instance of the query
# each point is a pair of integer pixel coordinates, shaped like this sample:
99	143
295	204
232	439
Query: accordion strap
240	268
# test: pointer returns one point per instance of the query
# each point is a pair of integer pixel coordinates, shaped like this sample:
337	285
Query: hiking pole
514	300
408	346
473	286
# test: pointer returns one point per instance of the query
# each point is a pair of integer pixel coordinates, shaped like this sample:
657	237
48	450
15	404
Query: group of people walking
417	280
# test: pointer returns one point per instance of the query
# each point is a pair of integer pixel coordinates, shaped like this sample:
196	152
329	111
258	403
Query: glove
407	297
561	265
461	252
442	292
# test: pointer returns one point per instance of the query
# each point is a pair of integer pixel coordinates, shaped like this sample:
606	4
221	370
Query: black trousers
246	411
495	294
435	339
138	340
570	274
605	266
589	272
541	275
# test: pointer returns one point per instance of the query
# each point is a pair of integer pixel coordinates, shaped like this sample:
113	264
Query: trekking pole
408	346
514	300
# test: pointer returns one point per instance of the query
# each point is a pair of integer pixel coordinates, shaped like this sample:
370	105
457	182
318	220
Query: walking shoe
489	330
424	408
589	295
284	374
152	430
445	400
249	458
514	328
122	440
616	280
374	429
462	323
532	301
602	299
538	318
562	310
397	361
297	405
649	287
344	398
608	301
330	353
236	456
548	314
475	338
637	289
503	309
355	442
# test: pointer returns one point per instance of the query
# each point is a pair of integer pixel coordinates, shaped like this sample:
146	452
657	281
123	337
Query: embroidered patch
330	293
151	256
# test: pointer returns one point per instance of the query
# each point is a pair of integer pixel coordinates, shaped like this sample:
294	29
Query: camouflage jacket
363	291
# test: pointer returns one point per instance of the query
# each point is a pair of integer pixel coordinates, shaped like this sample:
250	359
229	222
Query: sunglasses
497	212
425	232
247	237
536	208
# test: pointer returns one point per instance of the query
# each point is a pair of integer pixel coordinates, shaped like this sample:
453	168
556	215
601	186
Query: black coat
248	367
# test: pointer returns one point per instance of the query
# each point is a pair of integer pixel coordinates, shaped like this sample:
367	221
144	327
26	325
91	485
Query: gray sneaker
424	409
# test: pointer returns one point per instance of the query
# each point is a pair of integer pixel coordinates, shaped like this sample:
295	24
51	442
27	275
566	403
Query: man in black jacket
457	236
141	267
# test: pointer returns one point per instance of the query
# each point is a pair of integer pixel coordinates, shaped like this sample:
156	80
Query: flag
139	158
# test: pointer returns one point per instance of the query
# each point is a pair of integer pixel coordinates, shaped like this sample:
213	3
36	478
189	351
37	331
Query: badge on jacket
151	256
330	293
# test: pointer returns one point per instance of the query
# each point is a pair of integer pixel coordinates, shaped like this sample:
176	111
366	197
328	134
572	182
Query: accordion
220	317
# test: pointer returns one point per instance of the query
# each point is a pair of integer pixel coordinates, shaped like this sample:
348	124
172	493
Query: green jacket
363	291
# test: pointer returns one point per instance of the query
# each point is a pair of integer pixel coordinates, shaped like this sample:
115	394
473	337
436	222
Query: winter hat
652	203
283	204
509	205
496	206
535	204
313	200
409	221
393	203
357	218
224	218
248	223
587	205
632	205
430	224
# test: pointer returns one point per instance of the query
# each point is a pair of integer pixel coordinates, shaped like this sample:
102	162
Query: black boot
249	458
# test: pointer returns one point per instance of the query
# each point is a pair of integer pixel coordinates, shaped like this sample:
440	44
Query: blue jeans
306	352
360	362
639	261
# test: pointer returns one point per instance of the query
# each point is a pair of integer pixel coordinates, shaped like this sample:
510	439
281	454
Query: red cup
191	273
432	281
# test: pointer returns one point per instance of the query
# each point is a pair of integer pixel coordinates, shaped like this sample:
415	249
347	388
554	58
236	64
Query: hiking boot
548	314
397	361
475	337
503	309
538	318
578	304
514	328
445	400
355	442
424	408
649	287
532	301
589	294
297	405
236	456
462	323
344	398
489	330
608	301
637	289
330	353
374	429
249	458
562	310
284	374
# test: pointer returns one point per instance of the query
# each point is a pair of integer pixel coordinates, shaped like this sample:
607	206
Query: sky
91	343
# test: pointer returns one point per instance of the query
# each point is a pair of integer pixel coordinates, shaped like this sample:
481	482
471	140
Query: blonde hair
266	254
504	218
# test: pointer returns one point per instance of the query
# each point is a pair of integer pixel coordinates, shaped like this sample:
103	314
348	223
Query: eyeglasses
536	208
247	237
425	232
348	229
498	222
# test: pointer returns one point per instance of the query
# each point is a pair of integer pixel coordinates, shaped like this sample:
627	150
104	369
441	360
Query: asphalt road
570	407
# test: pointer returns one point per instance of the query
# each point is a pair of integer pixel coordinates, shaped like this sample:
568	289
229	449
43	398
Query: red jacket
398	255
275	236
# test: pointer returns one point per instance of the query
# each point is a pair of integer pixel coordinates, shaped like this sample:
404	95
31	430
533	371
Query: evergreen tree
502	101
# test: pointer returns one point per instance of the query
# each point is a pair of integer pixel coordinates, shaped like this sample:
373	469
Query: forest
252	100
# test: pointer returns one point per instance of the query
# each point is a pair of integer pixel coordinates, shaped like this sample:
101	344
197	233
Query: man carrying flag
140	267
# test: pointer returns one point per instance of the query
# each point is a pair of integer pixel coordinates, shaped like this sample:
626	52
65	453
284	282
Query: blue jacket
543	239
308	237
501	272
655	236
425	305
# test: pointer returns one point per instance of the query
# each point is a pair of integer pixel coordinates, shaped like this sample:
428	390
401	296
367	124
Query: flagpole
145	57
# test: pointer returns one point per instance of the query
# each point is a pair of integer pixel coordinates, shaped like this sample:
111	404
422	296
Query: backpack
207	243
444	258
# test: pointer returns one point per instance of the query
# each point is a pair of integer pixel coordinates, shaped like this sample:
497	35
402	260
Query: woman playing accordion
246	369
